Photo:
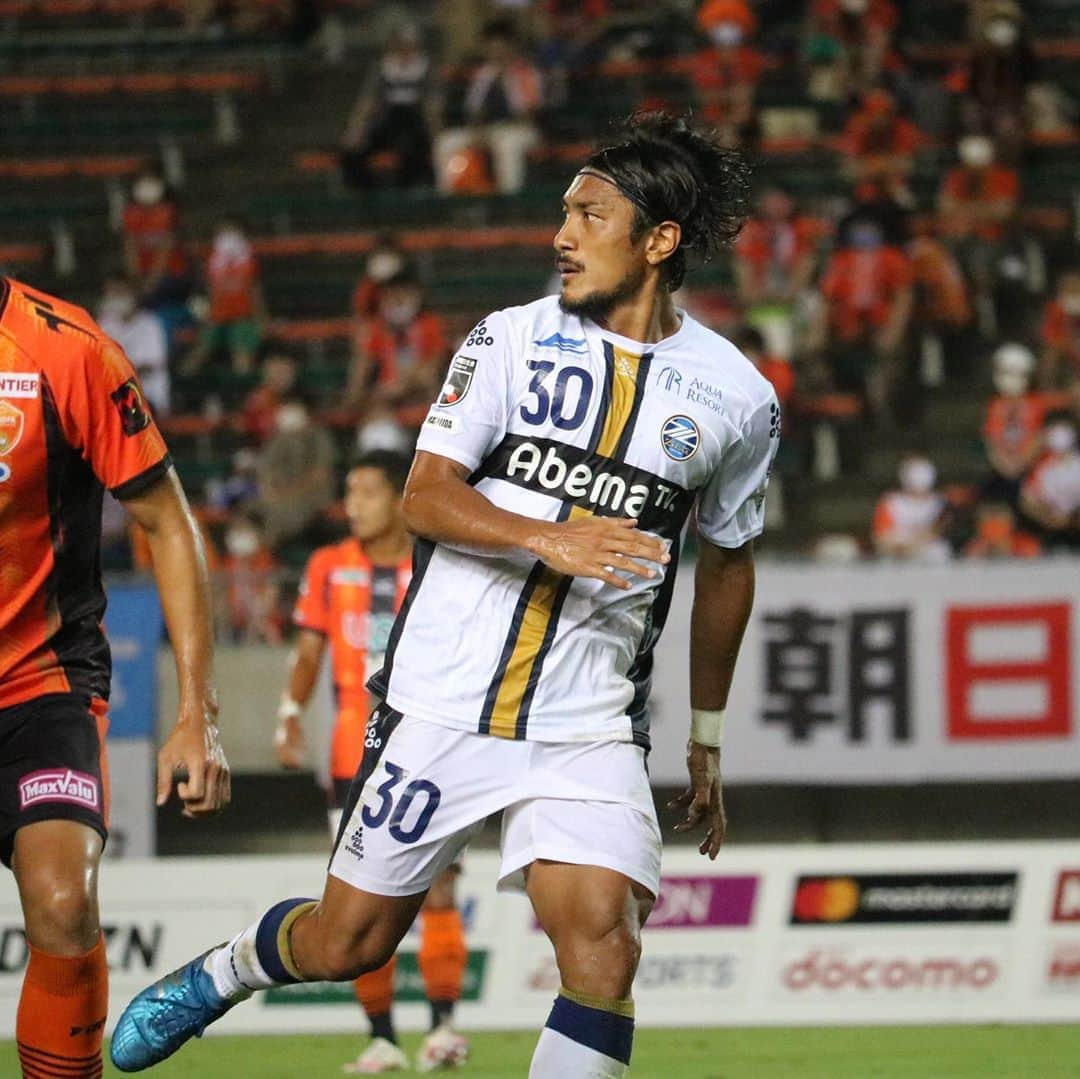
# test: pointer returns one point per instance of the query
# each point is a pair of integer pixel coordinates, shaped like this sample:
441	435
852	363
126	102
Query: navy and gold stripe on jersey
536	615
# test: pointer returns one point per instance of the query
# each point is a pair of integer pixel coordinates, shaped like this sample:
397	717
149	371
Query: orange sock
375	990
61	1018
443	954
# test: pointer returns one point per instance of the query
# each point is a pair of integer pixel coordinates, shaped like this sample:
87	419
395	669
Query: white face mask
291	418
399	313
1002	33
241	542
1010	383
1060	437
976	151
118	306
1070	304
918	477
383	265
231	244
148	190
727	33
856	7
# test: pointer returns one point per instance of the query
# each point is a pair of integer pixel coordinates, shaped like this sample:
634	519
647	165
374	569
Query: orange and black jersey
73	421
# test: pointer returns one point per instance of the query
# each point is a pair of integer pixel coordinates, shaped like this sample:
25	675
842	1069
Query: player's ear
663	242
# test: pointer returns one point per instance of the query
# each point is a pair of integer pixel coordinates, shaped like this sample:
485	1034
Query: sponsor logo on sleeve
13	384
479	336
904	898
458	380
1067	896
130	403
680	438
12	423
59	785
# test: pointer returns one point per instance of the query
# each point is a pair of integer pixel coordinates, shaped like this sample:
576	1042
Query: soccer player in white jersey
553	478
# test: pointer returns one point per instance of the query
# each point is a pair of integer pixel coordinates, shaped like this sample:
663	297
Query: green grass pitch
986	1052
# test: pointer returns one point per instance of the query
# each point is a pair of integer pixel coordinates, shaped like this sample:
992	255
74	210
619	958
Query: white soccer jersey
556	418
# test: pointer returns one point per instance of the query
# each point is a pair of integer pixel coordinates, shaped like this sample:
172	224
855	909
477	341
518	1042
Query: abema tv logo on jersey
59	785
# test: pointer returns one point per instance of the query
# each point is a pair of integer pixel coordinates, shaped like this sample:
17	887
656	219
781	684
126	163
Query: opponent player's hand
289	743
598	546
704	798
193	759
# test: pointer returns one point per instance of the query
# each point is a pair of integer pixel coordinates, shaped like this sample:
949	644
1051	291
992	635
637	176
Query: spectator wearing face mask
1012	428
1051	493
978	196
1060	334
258	416
504	95
141	335
399	355
993	83
908	522
863	324
249	574
880	146
295	474
385	260
726	74
237	309
154	254
997	535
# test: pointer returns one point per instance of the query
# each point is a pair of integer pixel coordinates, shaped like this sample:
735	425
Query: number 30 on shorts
375	816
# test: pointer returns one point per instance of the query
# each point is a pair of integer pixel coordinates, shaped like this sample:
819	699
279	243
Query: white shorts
432	788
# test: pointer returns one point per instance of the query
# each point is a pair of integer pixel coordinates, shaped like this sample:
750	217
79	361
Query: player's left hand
704	798
193	759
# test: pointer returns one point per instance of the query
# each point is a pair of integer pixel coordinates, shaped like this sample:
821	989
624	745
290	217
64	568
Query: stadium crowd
927	274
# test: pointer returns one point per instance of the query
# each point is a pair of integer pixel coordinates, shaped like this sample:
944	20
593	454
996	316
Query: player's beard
598	304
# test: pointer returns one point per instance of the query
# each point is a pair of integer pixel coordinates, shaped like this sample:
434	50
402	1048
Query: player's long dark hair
671	171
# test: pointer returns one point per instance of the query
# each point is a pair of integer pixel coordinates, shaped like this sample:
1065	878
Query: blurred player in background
553	477
73	421
348	599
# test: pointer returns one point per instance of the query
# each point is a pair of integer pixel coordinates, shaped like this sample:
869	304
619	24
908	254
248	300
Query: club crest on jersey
12	422
458	380
578	346
680	438
130	403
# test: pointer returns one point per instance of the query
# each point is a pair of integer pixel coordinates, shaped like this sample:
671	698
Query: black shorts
52	765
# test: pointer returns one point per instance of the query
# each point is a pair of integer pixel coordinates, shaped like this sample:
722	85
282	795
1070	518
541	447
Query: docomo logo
60	785
704	902
834	973
1063	968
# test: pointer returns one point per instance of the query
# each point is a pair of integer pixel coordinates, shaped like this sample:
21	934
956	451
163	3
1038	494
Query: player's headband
636	197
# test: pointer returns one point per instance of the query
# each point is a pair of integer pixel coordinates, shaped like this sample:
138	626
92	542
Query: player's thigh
53	814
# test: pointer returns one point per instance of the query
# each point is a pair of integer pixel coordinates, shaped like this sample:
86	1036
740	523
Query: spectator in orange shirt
776	252
1060	334
249	575
881	146
237	309
908	522
259	414
385	260
726	74
398	362
154	255
504	95
849	39
863	324
997	536
751	342
978	196
1012	428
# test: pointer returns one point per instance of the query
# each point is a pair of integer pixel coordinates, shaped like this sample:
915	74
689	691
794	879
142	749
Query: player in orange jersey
350	594
73	421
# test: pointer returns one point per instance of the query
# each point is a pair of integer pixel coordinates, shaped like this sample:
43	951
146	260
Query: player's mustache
565	264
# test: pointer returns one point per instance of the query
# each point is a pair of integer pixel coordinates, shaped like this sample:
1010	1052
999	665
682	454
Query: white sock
559	1057
235	967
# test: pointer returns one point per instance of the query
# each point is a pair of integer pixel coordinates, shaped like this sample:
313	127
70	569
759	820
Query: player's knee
601	962
61	914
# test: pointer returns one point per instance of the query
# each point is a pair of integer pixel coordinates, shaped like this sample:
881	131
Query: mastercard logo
834	899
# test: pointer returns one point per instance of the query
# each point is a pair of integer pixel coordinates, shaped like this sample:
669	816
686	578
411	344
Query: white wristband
707	726
289	708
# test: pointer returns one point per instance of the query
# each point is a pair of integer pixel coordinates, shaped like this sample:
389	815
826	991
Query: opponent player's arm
441	506
303	673
179	565
723	597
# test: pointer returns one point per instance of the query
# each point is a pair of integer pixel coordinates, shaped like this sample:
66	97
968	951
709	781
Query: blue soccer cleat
165	1015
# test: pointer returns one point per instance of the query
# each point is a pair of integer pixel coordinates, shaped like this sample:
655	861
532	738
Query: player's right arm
469	419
